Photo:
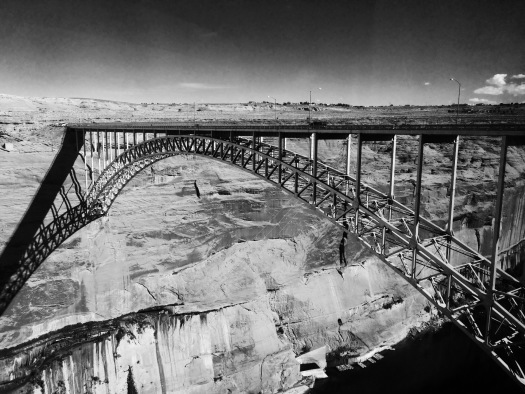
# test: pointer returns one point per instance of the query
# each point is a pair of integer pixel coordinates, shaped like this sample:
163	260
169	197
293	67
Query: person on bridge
197	189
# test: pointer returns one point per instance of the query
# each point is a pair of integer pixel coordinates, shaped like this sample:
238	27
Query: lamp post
274	106
459	93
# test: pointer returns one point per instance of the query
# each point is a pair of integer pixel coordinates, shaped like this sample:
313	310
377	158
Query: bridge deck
338	131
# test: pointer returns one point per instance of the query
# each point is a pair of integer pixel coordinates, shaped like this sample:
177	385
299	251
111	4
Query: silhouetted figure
197	189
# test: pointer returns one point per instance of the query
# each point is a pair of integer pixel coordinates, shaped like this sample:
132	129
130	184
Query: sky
357	52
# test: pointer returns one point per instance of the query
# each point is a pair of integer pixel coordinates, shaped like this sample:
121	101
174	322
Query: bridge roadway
483	300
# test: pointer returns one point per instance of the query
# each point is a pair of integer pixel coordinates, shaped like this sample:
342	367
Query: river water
443	361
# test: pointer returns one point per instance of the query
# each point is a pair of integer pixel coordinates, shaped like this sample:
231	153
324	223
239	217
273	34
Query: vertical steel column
314	165
280	155
99	147
495	239
392	167
391	191
348	156
357	199
254	155
143	136
110	150
417	203
450	223
91	149
105	148
116	143
310	148
134	138
85	158
296	186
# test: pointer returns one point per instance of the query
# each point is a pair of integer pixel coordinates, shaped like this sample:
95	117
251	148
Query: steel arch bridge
483	300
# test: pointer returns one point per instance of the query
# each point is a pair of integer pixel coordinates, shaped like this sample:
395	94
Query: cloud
497	86
201	86
482	100
492	90
427	83
497	79
516	90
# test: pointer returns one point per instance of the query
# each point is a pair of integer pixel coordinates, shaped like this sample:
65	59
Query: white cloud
427	83
492	90
497	79
201	86
516	90
482	100
497	86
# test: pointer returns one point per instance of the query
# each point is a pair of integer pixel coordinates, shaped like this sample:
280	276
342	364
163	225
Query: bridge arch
294	176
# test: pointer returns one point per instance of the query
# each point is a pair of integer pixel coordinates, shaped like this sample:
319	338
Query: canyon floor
175	293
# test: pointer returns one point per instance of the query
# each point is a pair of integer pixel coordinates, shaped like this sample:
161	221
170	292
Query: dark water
445	362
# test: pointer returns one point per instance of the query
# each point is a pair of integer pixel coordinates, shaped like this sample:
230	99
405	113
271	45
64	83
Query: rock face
245	262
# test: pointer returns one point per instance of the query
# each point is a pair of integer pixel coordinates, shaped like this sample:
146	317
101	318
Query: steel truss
485	302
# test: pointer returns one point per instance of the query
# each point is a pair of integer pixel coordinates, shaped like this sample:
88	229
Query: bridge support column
450	223
91	148
348	163
357	199
105	149
314	165
85	157
254	145
280	156
495	235
392	185
417	203
115	148
310	148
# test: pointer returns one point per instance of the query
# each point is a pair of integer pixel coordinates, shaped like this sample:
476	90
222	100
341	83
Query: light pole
459	93
274	106
310	108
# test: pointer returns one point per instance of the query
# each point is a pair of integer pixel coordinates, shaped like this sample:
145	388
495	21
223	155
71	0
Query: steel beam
417	203
450	224
105	149
91	148
357	199
314	165
392	168
280	155
254	146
